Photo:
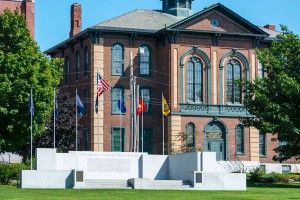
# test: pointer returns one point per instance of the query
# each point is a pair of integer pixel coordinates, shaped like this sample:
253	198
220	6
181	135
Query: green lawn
265	192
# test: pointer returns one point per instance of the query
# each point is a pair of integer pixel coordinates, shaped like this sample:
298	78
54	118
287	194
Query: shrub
9	172
4	174
256	175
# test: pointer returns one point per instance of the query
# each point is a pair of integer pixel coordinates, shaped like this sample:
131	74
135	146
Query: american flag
102	86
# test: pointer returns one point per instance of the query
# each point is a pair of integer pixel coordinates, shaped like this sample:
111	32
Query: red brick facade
166	76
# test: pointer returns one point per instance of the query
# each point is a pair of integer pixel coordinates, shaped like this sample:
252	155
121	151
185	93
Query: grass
254	191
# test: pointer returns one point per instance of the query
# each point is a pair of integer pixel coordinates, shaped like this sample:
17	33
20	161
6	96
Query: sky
52	17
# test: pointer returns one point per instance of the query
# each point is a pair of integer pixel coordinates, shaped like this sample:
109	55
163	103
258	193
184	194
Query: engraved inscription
198	177
108	165
79	176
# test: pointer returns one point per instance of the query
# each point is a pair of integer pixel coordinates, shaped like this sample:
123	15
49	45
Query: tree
65	130
22	66
183	148
275	98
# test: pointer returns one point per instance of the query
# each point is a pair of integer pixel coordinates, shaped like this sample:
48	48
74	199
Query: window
85	101
171	4
233	72
146	98
67	71
145	61
116	93
86	139
78	141
86	62
190	135
286	169
118	139
77	66
182	3
189	4
262	145
261	70
147	141
239	139
194	80
117	60
262	168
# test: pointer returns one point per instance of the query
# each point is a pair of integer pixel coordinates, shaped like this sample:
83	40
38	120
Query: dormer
179	8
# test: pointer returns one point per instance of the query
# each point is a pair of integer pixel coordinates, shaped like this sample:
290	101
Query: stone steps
169	185
124	184
105	184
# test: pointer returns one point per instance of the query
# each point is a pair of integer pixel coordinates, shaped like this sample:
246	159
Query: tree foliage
65	126
22	66
275	98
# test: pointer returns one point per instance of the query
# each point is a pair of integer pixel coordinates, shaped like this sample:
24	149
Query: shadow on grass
273	185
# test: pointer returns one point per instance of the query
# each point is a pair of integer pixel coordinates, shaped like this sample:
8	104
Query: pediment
227	22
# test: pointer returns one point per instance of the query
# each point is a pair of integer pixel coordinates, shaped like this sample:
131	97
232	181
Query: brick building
191	58
25	7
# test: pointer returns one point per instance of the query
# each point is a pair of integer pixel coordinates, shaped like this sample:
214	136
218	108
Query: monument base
197	171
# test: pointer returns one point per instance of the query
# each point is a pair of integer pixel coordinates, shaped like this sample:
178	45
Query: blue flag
30	104
96	104
56	107
80	107
121	105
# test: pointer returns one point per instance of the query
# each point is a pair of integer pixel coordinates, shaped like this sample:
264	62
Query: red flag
142	107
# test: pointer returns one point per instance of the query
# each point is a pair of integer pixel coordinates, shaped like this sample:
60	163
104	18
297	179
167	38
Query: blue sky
52	19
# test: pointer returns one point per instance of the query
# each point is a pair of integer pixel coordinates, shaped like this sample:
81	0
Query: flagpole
54	121
163	124
131	104
98	117
137	119
142	123
76	121
120	122
98	128
134	114
31	113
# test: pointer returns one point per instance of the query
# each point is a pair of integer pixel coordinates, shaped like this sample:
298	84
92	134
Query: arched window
146	92
86	62
145	59
233	72
77	61
194	80
117	92
239	139
190	135
67	71
117	60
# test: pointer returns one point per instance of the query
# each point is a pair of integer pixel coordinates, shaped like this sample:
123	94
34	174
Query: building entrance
214	140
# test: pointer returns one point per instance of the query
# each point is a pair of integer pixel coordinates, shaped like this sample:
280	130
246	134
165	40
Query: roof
139	20
272	34
152	21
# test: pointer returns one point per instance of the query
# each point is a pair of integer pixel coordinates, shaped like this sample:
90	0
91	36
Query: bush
9	172
4	173
256	175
